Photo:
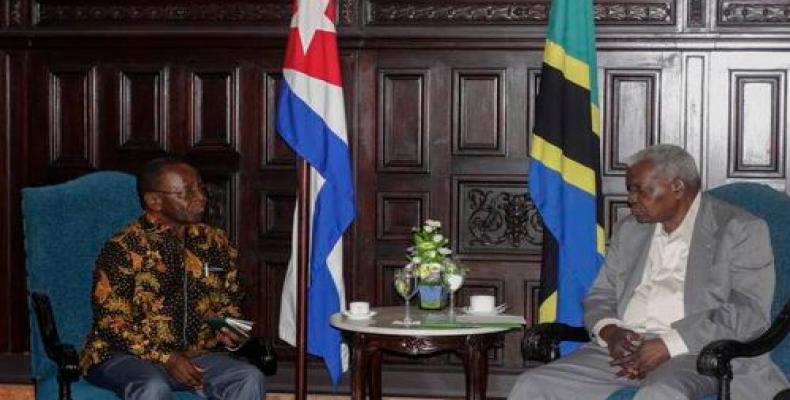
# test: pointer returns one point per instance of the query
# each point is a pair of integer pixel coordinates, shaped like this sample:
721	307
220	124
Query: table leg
375	375
359	368
475	359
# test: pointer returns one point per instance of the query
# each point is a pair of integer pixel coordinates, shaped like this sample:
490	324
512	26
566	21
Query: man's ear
152	201
678	186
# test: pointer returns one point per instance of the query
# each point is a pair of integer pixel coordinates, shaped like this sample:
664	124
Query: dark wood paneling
213	109
758	129
479	113
277	210
143	108
631	120
398	212
72	117
277	154
403	133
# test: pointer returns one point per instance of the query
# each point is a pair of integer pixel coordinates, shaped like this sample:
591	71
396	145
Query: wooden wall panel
758	128
72	117
630	122
478	112
143	108
403	134
398	212
277	154
213	109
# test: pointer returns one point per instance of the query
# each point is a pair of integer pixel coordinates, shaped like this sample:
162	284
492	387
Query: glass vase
432	296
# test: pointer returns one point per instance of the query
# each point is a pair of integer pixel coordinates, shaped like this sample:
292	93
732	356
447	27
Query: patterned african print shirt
152	292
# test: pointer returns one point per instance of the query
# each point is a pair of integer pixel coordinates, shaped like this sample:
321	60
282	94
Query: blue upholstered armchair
65	227
541	342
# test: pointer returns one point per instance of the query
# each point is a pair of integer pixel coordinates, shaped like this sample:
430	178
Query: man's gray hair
670	162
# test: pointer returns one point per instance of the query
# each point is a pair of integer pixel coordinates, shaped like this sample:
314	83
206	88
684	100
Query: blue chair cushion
774	208
630	392
65	227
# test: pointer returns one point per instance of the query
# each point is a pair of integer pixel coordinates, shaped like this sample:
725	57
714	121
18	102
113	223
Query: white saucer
495	311
360	316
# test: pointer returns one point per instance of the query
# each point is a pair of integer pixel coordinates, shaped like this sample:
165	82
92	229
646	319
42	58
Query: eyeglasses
186	194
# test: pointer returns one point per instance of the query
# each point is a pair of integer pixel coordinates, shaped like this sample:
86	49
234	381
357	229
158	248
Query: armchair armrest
541	342
63	354
715	358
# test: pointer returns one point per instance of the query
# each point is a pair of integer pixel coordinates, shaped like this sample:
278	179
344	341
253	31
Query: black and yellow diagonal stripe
564	178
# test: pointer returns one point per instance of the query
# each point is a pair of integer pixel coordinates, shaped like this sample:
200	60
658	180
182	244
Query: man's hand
623	345
230	339
620	341
183	370
652	354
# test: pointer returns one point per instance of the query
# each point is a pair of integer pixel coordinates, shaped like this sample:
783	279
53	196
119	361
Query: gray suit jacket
728	290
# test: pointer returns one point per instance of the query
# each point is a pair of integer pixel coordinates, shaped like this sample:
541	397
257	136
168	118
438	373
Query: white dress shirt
658	300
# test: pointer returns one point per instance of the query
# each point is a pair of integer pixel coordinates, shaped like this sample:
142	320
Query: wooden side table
368	338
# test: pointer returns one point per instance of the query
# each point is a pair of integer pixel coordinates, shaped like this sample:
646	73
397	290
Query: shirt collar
686	228
152	224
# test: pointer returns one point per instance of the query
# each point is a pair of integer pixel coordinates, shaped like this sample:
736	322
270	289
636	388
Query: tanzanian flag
564	177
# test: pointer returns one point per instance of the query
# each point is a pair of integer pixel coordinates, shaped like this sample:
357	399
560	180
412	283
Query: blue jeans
132	378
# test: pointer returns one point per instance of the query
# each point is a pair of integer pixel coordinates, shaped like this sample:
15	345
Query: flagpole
302	276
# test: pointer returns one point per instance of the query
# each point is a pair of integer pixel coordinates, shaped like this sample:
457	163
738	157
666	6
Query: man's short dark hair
151	173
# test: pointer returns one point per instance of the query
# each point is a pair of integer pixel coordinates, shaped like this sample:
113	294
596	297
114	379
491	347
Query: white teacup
481	303
359	308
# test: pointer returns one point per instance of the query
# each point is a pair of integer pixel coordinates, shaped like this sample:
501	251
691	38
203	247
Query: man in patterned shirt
155	284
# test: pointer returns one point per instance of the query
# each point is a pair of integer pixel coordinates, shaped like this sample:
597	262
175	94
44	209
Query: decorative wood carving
753	12
16	13
696	13
498	219
183	12
271	12
347	12
395	12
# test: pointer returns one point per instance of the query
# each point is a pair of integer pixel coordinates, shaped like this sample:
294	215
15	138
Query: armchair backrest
774	208
65	226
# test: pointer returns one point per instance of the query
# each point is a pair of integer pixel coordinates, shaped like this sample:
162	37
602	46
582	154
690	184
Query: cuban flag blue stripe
308	134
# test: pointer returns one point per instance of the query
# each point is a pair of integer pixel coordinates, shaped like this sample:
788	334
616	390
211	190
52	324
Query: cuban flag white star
311	16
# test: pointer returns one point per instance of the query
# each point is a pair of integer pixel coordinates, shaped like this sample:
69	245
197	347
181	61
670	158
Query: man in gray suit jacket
682	270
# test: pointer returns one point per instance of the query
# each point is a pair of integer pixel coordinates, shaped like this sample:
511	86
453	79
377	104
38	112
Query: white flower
445	251
416	260
434	223
435	267
428	229
437	237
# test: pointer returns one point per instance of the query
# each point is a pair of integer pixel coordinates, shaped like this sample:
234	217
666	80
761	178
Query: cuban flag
311	119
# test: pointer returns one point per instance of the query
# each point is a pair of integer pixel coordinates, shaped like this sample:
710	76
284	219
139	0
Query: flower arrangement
429	254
